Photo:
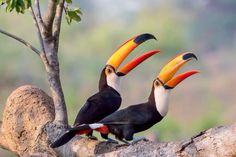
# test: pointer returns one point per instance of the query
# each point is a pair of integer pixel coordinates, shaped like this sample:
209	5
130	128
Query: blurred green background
205	27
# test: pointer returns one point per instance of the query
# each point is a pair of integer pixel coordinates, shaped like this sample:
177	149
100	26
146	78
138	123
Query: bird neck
159	98
111	80
102	81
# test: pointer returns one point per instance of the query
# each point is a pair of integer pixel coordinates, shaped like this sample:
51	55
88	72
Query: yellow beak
124	50
169	70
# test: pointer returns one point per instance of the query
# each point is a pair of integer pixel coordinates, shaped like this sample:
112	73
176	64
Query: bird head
166	80
110	75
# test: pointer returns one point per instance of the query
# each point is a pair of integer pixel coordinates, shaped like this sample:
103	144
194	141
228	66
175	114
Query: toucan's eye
109	70
156	83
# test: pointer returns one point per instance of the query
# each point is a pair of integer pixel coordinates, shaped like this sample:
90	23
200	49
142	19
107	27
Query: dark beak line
189	56
167	87
144	37
119	74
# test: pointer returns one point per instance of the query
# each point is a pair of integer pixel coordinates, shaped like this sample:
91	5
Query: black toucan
108	99
136	118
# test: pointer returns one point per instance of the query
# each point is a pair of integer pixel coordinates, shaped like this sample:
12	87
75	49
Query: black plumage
99	106
136	118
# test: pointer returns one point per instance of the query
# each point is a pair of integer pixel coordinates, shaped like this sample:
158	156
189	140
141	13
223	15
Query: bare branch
21	41
42	55
38	29
39	16
57	23
49	16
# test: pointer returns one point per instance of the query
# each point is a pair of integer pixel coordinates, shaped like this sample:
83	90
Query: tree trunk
53	73
27	130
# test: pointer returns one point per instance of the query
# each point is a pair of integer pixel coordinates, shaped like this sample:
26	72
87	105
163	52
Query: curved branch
39	16
57	23
38	29
218	141
49	16
21	41
25	141
43	55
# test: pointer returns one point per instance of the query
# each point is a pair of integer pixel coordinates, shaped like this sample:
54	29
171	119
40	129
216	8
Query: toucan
108	99
136	118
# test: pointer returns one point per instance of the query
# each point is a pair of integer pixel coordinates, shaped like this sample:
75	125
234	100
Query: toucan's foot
137	139
124	141
92	137
110	140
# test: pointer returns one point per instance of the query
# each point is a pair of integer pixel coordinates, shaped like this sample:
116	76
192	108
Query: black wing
68	135
135	114
98	106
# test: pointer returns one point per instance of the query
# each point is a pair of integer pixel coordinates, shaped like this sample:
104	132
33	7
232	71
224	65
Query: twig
39	16
21	41
38	29
49	16
39	33
57	22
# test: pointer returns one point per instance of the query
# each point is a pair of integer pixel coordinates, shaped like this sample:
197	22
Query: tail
81	129
66	137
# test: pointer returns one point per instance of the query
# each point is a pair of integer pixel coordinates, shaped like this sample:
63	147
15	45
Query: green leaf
18	5
27	3
78	11
2	2
69	1
68	19
73	15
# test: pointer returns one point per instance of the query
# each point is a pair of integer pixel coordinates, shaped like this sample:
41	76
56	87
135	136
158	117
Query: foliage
72	14
20	6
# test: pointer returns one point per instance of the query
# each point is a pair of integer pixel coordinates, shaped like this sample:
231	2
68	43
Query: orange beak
169	70
132	64
179	78
124	50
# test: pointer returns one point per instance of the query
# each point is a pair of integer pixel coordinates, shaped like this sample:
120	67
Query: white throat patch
113	81
161	99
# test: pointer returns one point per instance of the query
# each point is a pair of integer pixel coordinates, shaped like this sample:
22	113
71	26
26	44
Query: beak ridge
169	70
143	37
189	56
124	50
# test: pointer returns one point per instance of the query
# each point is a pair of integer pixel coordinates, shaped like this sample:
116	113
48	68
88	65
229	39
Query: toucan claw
110	140
138	139
91	137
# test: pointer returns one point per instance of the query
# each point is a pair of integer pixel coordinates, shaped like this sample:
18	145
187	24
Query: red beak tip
195	71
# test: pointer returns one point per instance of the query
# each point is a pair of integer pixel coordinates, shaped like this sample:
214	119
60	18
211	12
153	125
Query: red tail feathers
104	129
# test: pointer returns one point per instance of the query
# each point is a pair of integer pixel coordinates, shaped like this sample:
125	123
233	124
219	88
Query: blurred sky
205	27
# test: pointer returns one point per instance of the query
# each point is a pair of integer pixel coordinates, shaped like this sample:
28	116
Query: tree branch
21	41
57	23
42	55
28	128
38	29
49	17
39	16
